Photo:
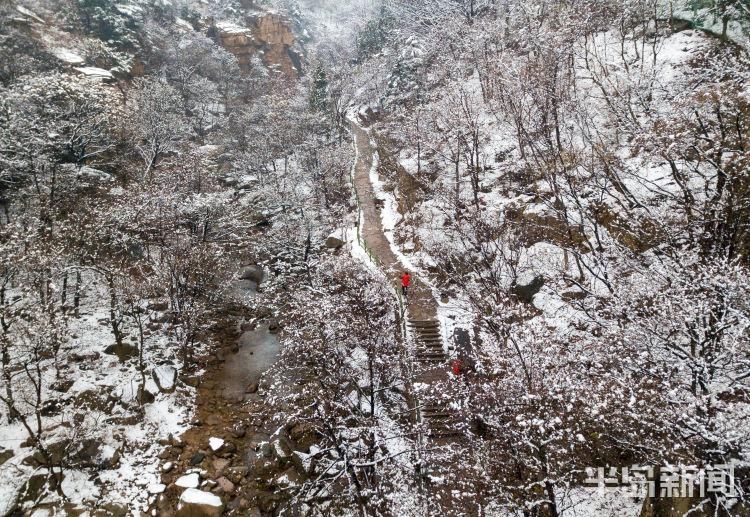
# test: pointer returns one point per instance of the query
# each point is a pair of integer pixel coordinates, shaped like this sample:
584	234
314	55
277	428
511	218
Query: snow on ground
612	502
199	497
68	56
95	73
100	408
28	13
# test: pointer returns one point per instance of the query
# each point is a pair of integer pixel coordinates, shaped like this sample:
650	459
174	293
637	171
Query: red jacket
405	279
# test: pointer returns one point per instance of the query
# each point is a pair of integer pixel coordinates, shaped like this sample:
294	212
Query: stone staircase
429	341
439	420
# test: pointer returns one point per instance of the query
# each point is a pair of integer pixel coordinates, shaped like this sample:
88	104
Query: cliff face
268	36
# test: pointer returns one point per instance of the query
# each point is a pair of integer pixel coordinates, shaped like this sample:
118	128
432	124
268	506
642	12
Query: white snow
188	481
165	377
233	29
93	72
67	56
28	13
156	488
215	443
194	496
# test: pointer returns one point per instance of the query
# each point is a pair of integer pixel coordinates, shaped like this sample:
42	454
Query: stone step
417	324
427	330
443	434
430	351
438	416
431	359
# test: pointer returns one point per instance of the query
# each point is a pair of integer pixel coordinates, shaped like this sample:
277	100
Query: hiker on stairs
405	281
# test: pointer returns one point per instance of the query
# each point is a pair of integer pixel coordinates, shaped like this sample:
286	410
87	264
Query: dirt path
438	423
421	304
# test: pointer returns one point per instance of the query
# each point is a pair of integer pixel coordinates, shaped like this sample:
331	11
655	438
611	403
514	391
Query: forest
375	258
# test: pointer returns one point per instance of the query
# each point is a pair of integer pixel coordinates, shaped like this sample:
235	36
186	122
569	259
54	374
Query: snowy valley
375	257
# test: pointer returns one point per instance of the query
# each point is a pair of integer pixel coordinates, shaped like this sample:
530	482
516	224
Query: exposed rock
220	465
290	477
115	509
526	290
268	37
191	380
253	273
282	448
264	468
251	388
57	451
62	385
236	474
197	458
123	351
197	503
334	242
34	486
165	378
239	431
226	486
5	455
304	463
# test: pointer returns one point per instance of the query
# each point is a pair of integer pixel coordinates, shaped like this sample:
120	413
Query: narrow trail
422	305
431	375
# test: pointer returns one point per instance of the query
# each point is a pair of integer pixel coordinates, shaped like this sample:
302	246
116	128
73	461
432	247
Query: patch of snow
194	496
165	377
156	488
183	24
28	13
67	56
215	443
96	73
188	481
233	29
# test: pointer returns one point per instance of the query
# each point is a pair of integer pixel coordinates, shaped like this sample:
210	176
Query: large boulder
526	288
123	351
5	455
197	503
165	378
252	273
335	240
334	243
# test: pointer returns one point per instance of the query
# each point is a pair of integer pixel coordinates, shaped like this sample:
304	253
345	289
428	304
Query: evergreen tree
374	36
319	91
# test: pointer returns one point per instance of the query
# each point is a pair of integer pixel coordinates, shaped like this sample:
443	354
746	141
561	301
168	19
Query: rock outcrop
268	37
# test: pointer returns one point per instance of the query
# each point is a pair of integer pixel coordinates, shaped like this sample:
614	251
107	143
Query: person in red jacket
405	281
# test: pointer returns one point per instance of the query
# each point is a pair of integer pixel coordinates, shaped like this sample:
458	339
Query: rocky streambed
232	461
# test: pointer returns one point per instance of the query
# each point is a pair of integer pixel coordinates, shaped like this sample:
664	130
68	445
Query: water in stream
259	349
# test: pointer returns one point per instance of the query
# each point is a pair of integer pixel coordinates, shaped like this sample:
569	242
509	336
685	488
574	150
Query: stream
258	351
